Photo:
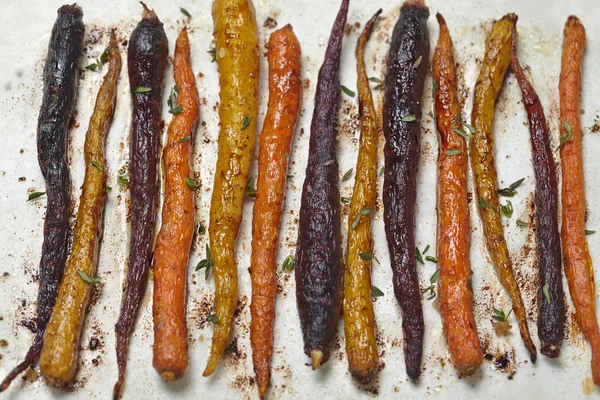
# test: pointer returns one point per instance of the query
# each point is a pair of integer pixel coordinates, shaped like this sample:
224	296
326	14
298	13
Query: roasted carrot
578	263
319	272
359	318
237	53
285	94
58	359
58	101
489	83
171	252
455	296
407	65
146	63
550	294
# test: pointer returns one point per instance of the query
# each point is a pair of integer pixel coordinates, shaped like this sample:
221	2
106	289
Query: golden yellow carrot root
171	255
58	360
359	318
237	53
578	263
487	88
455	296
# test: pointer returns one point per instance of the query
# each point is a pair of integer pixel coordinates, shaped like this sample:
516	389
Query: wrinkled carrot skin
58	359
359	318
578	264
147	56
487	88
403	96
58	102
318	270
285	95
551	311
455	295
171	253
237	51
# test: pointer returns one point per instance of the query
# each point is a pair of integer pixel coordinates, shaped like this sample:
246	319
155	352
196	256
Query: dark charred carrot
238	58
171	253
60	90
578	263
455	296
487	88
359	318
319	270
550	298
408	62
59	356
285	94
146	61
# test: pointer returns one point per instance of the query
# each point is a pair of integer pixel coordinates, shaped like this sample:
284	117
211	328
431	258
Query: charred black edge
410	40
548	244
66	43
147	59
320	196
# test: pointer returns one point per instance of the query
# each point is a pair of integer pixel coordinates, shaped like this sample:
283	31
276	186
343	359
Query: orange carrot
456	303
171	255
285	91
578	264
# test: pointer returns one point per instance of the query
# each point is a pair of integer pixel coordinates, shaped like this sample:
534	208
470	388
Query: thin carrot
285	92
171	254
578	264
359	318
455	295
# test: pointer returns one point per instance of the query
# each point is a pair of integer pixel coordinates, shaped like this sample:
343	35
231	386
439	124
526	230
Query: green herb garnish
288	264
348	91
347	175
185	12
510	191
142	89
507	209
246	122
251	187
206	264
409	118
35	195
86	277
376	292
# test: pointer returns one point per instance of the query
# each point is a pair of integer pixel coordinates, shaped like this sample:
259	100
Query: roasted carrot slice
489	83
237	53
550	297
455	296
319	272
58	360
407	65
146	63
285	94
171	253
578	263
60	91
359	318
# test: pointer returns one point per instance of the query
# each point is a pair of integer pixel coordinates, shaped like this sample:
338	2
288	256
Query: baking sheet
25	31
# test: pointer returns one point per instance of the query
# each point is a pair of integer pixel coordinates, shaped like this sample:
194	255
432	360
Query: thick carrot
578	264
455	296
237	53
487	88
359	318
58	360
285	92
171	254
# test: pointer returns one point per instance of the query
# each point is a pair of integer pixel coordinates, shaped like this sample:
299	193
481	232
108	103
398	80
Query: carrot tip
210	368
168	376
317	358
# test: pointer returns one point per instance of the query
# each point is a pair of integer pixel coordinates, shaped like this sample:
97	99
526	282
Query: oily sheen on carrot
171	253
285	93
550	294
58	102
59	356
487	88
455	296
359	318
237	53
578	264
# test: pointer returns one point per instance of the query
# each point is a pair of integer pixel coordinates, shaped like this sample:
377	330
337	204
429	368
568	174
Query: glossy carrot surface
359	318
455	295
487	88
171	252
285	95
237	54
578	263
